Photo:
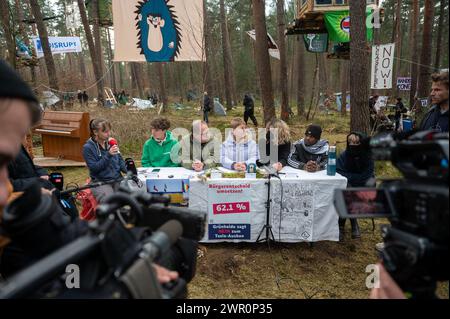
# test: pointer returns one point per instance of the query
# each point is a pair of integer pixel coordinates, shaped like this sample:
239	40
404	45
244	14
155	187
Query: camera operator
20	110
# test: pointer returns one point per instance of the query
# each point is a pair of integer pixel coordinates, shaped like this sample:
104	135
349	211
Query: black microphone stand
268	225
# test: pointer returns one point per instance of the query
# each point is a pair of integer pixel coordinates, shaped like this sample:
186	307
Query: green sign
338	26
316	43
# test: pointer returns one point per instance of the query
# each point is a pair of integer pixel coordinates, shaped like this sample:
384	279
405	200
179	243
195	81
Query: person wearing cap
20	110
310	153
356	164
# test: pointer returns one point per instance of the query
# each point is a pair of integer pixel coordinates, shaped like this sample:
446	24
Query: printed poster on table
231	210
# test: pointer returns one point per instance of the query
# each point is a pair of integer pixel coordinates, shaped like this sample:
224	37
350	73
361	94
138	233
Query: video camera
114	258
416	251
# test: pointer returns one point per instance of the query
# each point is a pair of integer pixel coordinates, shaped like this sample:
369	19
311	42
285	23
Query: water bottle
331	166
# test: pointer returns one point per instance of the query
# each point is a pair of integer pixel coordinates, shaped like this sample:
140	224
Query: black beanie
314	131
12	85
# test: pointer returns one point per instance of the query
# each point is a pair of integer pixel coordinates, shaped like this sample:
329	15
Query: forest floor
249	270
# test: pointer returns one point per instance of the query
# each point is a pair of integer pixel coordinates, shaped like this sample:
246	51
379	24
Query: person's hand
164	275
46	177
240	166
311	166
388	287
114	150
197	166
277	166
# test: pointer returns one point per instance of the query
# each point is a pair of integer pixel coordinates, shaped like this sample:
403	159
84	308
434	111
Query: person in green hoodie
156	151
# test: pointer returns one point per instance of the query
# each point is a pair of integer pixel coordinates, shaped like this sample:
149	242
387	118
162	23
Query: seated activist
310	153
238	150
356	164
103	160
282	143
195	149
157	149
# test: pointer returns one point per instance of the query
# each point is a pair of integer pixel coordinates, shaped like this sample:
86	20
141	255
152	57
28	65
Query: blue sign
228	231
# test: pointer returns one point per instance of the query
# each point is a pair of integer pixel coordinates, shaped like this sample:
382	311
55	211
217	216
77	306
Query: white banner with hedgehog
158	30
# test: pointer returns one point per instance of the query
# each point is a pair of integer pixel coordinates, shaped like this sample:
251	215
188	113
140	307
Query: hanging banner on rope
382	64
58	45
273	47
158	30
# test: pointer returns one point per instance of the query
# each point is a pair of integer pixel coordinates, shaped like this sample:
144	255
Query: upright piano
64	134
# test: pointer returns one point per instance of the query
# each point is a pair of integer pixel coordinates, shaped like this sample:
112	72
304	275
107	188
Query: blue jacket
102	166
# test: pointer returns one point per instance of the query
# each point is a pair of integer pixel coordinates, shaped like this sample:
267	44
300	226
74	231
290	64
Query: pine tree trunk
111	62
283	61
227	59
313	91
8	32
423	87
323	74
397	39
359	72
135	69
162	90
437	59
98	46
414	51
92	51
263	60
207	80
43	35
23	33
300	77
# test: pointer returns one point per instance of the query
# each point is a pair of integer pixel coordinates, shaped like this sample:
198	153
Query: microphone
161	240
131	166
112	142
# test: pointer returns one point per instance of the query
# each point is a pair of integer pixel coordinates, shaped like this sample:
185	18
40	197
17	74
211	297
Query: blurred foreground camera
114	253
416	251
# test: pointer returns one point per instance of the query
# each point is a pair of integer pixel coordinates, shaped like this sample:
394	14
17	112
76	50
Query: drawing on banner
158	31
296	213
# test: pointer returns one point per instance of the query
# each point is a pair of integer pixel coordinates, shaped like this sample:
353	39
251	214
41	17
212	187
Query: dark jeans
205	116
251	115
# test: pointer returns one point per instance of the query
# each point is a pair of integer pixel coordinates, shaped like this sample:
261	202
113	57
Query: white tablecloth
237	207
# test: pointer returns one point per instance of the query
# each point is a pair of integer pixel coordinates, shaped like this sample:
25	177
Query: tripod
267	226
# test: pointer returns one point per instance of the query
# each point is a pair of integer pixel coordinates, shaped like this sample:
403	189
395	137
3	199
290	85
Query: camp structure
323	21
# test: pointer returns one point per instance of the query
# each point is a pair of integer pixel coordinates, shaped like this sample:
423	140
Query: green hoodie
157	154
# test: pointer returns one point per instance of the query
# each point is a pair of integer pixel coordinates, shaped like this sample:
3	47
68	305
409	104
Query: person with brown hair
157	149
238	150
103	160
437	117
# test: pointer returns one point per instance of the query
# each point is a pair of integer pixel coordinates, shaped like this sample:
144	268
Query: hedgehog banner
158	30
